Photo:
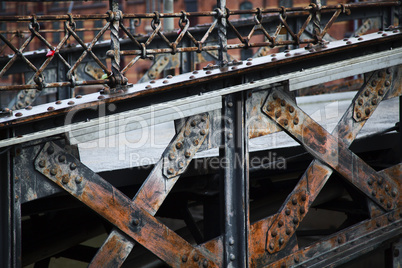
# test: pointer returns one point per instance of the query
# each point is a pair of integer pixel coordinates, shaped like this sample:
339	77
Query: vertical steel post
235	163
168	22
317	18
222	53
10	215
115	44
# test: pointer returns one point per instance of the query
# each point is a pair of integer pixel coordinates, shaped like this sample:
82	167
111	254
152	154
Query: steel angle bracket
78	180
376	88
179	153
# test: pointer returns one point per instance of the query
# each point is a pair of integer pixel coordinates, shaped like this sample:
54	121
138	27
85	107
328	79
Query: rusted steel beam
329	149
157	186
78	180
309	186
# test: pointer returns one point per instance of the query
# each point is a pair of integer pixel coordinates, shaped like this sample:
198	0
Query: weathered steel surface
102	197
159	183
318	173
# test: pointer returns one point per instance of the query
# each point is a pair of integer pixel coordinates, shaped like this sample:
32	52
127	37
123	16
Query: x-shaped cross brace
331	153
133	218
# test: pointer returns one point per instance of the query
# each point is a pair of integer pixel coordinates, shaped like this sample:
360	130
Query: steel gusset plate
88	187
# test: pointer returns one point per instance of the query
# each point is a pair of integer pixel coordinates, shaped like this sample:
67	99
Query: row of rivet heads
372	95
53	167
237	64
345	239
184	149
290	218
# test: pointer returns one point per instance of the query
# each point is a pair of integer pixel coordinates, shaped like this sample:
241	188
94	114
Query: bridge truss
252	216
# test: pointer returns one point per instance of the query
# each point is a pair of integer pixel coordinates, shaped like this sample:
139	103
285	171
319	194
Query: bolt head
280	223
193	123
42	163
281	241
295	121
287	212
73	166
232	257
184	258
78	180
62	158
367	111
65	179
288	231
387	83
271	246
135	222
187	154
231	241
358	115
181	164
274	233
170	171
302	210
295	220
203	132
179	145
230	104
196	142
294	201
50	150
172	156
366	93
53	171
303	197
381	92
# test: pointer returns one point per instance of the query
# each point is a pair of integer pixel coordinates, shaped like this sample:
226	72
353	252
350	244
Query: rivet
202	132
62	158
387	83
78	97
165	81
374	193
386	187
230	104
340	240
295	220
296	121
172	156
50	108
169	76
184	258
288	232
50	150
345	39
389	205
348	42
208	72
288	55
179	145
271	246
101	97
28	107
373	83
384	34
367	111
192	77
205	263
382	199
366	93
42	163
234	67
275	96
311	50
388	70
196	142
58	102
281	241
195	72
303	197
193	123
73	166
358	114
187	133
278	114
374	102
285	122
380	180
70	103
360	102
381	92
287	211
249	63
78	180
204	118
170	171
291	109
360	38
269	108
280	223
187	154
296	259
250	59
181	164
370	181
231	241
294	201
65	179
230	136
274	233
283	102
135	222
393	193
53	171
390	218
195	257
232	257
148	87
302	210
18	114
378	224
152	82
274	59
